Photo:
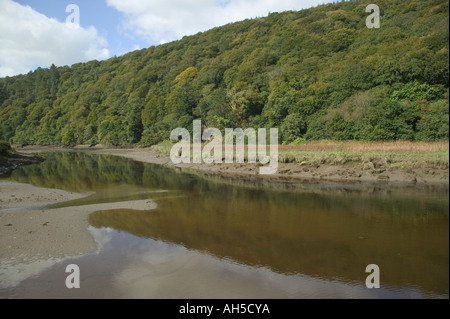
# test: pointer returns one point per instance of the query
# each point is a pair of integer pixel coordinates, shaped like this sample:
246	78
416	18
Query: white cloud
29	39
163	21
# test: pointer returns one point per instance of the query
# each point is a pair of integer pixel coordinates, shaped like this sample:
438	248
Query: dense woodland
315	74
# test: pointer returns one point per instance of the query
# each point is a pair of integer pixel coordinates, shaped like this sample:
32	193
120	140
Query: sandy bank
23	196
54	233
33	238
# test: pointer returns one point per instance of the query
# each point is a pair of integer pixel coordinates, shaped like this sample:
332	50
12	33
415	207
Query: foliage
315	74
4	147
294	127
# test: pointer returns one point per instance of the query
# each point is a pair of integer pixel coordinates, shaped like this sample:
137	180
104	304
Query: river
213	239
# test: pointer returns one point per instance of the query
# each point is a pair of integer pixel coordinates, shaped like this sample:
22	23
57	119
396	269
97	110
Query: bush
293	127
4	147
341	129
434	124
317	130
299	141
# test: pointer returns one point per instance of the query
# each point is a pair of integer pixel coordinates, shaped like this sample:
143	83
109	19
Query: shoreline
12	161
34	236
31	231
31	227
330	170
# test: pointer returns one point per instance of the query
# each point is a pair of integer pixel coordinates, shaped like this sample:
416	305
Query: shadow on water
332	235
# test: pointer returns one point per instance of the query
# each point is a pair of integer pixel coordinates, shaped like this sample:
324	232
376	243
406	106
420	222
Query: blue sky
105	19
35	33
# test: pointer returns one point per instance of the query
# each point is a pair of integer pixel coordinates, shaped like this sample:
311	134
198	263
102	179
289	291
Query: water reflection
319	236
209	239
165	270
131	267
82	173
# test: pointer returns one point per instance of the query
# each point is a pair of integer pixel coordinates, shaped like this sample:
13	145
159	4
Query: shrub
4	147
293	127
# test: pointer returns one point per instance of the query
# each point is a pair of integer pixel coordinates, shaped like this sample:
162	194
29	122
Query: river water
211	239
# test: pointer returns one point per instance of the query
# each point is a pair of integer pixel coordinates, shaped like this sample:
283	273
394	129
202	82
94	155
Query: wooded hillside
315	74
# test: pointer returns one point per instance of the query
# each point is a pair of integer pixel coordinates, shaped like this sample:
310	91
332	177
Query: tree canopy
318	73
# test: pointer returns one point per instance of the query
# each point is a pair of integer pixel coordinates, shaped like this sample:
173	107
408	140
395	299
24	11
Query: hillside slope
316	74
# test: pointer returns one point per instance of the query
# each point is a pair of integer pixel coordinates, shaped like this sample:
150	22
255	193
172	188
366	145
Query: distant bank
409	164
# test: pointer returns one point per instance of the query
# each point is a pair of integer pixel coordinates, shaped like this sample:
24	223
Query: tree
293	127
68	137
108	130
415	91
90	134
341	129
437	119
265	72
387	121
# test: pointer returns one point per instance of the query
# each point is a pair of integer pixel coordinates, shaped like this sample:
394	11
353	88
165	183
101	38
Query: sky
39	33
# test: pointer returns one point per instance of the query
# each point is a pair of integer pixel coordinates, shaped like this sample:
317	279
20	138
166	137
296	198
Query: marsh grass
399	154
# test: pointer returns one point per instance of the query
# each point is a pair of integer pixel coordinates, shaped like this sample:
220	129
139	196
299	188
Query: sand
33	238
20	196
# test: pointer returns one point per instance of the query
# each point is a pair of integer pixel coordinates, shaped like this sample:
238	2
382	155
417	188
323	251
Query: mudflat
30	231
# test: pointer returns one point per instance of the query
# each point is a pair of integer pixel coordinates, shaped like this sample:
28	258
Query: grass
357	146
163	147
401	154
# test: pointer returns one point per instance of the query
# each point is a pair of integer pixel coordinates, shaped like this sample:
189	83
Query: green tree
108	131
90	134
341	129
415	91
252	73
293	127
434	124
387	121
68	137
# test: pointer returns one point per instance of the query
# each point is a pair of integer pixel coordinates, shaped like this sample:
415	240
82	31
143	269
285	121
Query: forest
316	74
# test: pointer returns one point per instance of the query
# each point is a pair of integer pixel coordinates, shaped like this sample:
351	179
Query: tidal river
211	239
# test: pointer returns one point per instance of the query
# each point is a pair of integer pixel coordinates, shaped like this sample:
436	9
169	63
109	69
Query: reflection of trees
316	235
79	172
